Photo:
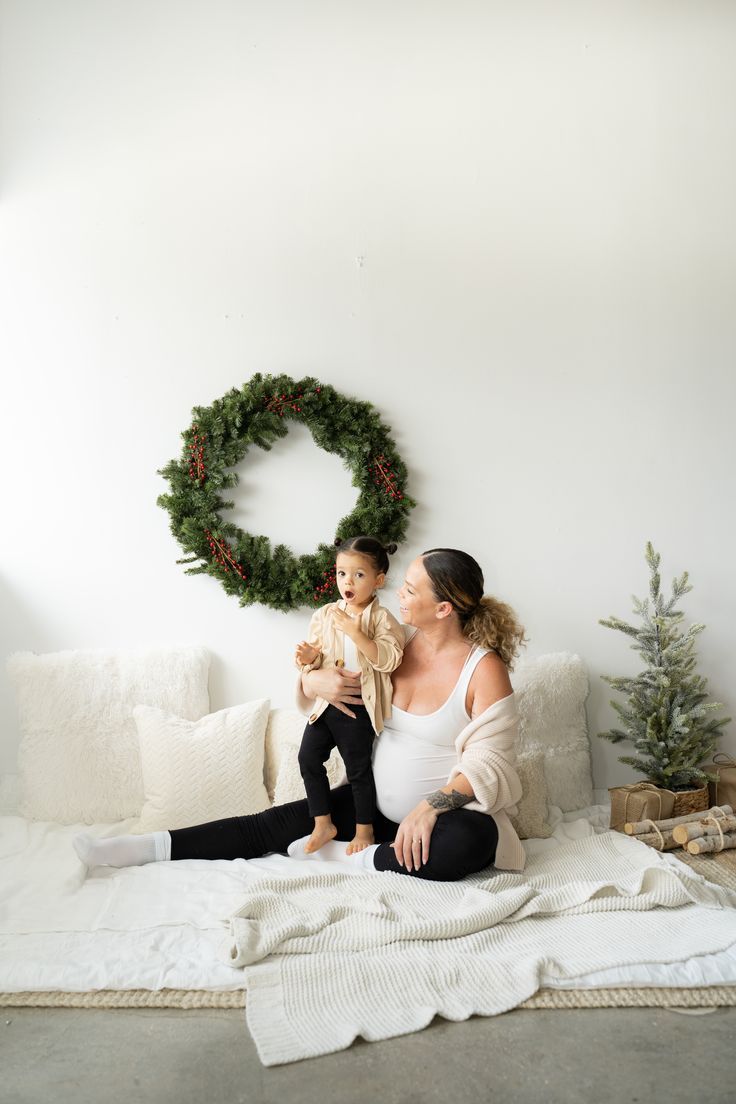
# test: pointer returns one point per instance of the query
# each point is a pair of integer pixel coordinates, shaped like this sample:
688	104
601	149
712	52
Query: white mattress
161	925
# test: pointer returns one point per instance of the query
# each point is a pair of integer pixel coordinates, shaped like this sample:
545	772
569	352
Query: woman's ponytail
493	625
457	578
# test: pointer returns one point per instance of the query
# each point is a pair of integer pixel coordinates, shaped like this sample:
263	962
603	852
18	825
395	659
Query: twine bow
637	787
714	820
655	828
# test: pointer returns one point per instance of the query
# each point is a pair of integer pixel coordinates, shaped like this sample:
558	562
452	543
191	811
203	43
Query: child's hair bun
338	541
368	546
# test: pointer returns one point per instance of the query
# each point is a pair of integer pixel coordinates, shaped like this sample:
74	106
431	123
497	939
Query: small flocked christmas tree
666	715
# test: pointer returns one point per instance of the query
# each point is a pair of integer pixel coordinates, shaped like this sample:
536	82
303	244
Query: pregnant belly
406	770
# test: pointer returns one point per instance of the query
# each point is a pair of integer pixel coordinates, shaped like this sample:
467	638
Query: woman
443	765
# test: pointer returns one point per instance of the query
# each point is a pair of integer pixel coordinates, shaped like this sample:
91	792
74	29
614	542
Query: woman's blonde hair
457	578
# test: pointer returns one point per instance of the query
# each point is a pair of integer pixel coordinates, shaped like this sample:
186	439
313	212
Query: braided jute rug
720	868
185	999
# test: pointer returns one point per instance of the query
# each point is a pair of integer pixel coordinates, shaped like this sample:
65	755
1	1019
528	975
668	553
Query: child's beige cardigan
375	680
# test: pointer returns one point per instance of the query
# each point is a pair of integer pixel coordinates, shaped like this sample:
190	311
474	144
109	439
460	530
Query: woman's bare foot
324	831
363	838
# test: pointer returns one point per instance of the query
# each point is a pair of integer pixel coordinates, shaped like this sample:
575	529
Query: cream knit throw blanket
332	956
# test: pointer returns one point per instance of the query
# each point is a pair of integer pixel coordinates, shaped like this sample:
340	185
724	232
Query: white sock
123	850
335	851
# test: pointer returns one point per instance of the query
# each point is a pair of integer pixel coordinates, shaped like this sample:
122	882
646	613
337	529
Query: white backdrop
509	226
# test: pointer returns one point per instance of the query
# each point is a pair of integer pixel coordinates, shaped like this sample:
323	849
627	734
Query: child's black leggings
463	841
353	738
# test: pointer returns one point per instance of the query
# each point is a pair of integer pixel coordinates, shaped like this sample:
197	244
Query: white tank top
350	654
414	754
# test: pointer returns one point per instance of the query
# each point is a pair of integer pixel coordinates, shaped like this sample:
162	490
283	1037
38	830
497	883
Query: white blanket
162	925
331	957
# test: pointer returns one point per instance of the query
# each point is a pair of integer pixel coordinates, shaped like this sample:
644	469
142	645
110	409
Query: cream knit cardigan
486	753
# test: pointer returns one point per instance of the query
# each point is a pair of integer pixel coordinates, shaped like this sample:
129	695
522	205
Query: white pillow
78	759
551	692
530	821
197	771
286	727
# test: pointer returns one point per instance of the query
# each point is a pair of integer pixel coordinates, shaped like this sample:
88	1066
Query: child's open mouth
349	595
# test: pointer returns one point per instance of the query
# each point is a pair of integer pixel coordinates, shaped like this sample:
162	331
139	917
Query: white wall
542	197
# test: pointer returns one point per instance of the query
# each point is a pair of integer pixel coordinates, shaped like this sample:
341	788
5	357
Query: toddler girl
361	635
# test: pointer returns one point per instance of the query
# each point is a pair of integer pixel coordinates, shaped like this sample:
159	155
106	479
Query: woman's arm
490	683
339	687
412	839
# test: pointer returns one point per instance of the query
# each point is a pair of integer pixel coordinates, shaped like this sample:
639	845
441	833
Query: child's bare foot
363	838
321	835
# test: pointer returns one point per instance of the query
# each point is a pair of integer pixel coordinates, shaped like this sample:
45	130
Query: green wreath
258	414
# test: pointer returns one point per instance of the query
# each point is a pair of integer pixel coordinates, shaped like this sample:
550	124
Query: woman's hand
339	687
411	845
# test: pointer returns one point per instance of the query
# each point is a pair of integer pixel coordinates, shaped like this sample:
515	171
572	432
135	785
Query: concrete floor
585	1056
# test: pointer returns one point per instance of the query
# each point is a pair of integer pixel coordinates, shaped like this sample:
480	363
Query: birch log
684	832
662	842
711	843
642	827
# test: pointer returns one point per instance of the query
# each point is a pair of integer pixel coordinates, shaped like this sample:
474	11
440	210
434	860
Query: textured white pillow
197	771
531	820
551	692
286	727
284	736
78	759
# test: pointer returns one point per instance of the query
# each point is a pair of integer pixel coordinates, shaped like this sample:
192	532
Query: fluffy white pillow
197	771
78	759
551	692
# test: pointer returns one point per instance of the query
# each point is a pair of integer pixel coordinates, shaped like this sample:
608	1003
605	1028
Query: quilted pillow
551	692
284	736
78	760
285	727
197	771
531	820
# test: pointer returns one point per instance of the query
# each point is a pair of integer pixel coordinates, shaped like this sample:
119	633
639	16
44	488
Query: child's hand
345	623
305	653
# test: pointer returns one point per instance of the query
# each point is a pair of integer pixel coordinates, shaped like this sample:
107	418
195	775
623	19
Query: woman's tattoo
443	801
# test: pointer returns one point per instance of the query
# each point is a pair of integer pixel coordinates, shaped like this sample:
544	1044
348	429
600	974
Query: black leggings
353	738
462	842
